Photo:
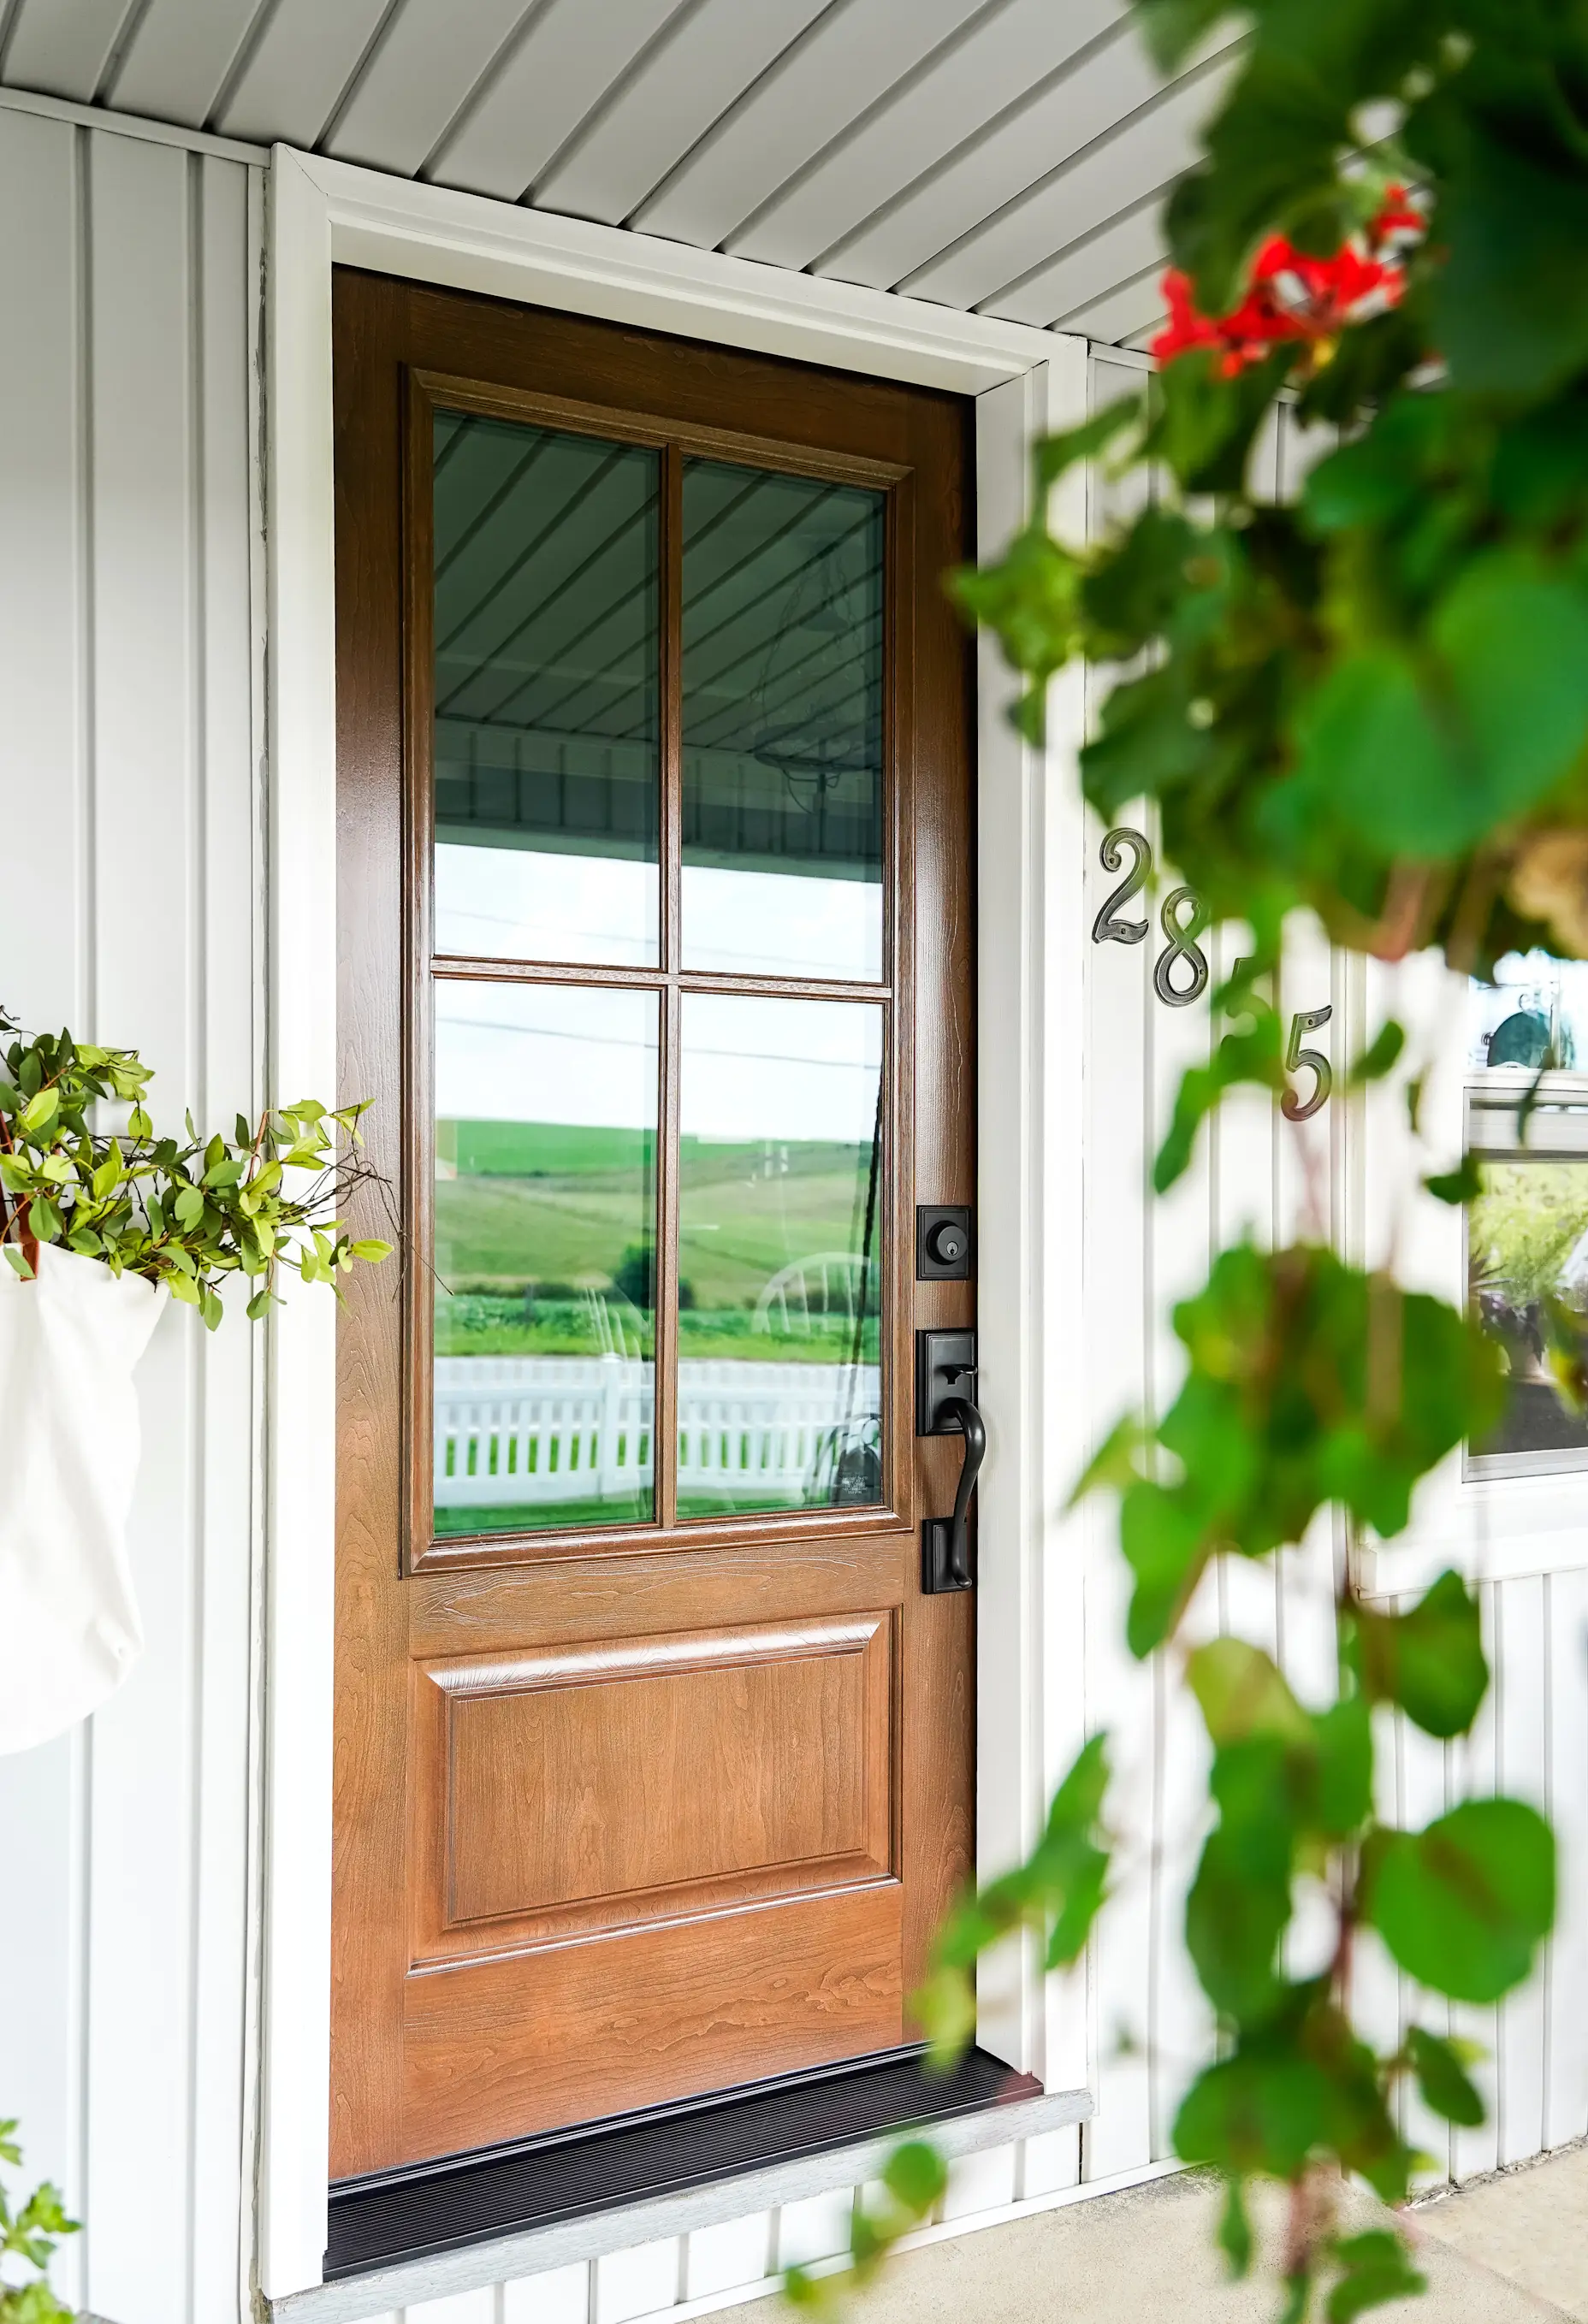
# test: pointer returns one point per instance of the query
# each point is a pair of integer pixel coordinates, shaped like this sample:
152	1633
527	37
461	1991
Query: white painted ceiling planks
1004	155
64	51
179	60
822	85
958	97
697	73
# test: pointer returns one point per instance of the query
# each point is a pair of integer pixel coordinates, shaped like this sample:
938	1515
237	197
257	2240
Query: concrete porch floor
1512	2249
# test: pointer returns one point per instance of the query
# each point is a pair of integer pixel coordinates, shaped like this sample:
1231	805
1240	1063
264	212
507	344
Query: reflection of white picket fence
527	1429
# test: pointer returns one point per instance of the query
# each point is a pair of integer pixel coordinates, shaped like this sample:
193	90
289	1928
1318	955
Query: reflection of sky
781	924
522	903
1535	983
753	1068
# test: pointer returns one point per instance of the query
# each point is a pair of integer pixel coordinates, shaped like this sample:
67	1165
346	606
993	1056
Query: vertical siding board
1475	1772
225	271
1179	1229
45	968
1425	1777
1566	1643
1120	1692
146	878
1523	1771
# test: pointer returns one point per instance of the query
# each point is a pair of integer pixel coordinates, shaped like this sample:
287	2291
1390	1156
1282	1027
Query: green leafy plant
1369	700
186	1212
30	2234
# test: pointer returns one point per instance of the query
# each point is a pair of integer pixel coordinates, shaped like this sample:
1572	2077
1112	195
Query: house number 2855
1182	922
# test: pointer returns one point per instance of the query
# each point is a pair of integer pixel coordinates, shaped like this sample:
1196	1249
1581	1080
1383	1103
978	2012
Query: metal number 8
1182	946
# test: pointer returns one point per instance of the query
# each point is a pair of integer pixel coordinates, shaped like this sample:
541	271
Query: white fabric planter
69	1631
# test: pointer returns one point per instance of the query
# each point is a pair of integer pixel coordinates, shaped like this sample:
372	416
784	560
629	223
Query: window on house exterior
1527	1227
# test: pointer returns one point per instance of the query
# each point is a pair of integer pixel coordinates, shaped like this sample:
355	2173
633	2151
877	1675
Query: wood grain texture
630	1814
767	1758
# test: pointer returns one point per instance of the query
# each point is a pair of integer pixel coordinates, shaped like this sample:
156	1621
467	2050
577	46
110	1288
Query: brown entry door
653	1761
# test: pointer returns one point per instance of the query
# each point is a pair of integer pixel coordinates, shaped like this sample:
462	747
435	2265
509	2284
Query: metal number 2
1295	1109
1105	927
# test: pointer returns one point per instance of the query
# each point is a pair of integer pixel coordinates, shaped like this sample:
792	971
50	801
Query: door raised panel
489	2054
561	1794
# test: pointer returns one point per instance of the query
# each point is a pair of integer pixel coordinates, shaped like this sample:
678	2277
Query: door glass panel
782	723
779	1259
547	725
546	1104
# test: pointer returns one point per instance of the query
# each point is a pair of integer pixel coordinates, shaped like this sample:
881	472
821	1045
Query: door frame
1031	959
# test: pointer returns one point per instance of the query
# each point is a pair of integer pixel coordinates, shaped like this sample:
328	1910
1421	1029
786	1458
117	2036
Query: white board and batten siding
131	618
128	721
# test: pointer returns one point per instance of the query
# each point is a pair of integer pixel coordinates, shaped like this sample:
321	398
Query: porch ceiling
1004	156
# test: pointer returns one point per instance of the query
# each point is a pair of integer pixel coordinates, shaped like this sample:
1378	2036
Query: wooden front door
653	1767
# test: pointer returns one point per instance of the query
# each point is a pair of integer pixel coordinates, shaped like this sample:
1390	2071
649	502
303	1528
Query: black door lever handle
945	1406
945	1551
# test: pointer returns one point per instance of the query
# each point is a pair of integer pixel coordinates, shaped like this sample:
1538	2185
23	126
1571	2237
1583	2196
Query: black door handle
945	1551
945	1406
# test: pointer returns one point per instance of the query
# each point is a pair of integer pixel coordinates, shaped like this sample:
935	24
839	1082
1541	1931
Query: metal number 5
1295	1109
1105	927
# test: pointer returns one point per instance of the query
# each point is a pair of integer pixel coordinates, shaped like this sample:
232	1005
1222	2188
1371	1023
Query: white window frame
1029	969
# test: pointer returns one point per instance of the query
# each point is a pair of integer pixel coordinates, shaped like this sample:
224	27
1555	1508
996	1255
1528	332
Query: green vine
1368	700
185	1212
30	2234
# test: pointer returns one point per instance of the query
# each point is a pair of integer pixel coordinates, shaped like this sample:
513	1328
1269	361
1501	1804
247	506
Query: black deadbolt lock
943	1242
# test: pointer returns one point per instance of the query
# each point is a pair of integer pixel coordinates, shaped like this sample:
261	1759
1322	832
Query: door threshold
635	2162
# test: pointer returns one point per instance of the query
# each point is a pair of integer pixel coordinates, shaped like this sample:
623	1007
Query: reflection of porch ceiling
1004	156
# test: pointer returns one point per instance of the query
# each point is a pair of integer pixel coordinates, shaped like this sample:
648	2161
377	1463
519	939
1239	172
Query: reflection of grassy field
560	1516
474	1325
746	1211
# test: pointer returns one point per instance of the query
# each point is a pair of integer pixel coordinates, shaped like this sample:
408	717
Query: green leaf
1447	2089
1052	456
1515	637
16	1262
1235	1916
1368	713
1463	1904
917	2174
1234	2235
1459	1187
1172	28
1242	1693
1380	1056
39	1113
1375	2268
1429	1660
190	1206
1166	1544
372	1249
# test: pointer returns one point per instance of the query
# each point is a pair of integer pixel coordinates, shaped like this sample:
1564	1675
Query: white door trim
1029	1709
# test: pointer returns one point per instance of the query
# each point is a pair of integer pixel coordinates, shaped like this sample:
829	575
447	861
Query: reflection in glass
1528	1280
1533	1017
779	1256
547	672
782	723
546	1102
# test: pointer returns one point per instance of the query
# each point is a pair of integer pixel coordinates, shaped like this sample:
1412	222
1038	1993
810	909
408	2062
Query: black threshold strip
566	2174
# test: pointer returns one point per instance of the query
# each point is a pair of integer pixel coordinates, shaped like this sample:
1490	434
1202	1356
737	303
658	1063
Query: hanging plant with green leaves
1369	701
186	1212
29	2235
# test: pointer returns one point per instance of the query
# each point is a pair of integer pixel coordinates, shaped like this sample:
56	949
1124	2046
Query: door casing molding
1030	1717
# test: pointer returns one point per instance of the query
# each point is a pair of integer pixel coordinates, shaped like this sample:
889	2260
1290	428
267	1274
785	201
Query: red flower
1293	295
